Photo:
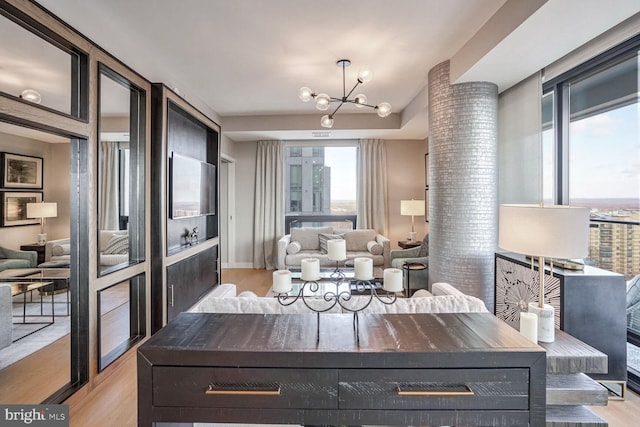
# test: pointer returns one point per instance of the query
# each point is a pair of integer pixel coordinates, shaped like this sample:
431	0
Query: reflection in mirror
36	70
31	340
120	173
121	318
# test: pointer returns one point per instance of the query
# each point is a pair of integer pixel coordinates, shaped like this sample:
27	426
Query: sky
342	161
604	155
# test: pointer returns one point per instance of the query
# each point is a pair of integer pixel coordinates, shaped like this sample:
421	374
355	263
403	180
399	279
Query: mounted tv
193	187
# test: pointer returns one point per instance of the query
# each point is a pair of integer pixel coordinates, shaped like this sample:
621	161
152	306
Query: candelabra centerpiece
363	283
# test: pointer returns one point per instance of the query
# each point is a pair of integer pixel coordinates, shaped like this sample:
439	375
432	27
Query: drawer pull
435	390
244	390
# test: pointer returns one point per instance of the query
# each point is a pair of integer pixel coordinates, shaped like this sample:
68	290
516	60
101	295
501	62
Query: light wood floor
113	402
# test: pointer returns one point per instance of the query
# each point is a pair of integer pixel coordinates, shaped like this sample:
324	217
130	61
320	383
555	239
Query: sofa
306	243
114	248
444	299
10	258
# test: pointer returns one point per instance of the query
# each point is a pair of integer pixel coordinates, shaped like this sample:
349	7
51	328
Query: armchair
420	254
10	258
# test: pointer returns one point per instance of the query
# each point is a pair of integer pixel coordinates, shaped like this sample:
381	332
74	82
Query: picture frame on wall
14	207
426	170
426	204
20	171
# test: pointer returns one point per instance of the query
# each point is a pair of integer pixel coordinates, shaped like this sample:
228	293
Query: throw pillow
422	293
323	238
293	248
424	247
374	248
308	236
118	244
357	239
62	249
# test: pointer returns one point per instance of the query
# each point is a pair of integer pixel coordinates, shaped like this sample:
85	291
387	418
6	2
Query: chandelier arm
336	110
353	101
352	89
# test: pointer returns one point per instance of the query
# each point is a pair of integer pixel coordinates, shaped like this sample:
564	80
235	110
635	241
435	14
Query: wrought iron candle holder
341	298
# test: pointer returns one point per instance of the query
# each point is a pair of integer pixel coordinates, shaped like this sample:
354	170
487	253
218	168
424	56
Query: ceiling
243	61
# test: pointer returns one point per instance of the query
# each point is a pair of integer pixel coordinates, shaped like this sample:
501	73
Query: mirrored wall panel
121	320
37	70
120	173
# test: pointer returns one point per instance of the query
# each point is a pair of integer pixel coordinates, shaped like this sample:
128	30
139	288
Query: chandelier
324	101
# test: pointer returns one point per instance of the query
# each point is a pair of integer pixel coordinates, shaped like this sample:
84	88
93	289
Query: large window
591	157
320	185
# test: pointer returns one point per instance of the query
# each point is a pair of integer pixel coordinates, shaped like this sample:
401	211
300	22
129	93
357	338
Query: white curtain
372	185
269	203
109	218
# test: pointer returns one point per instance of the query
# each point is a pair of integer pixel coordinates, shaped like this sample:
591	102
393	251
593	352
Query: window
591	157
320	185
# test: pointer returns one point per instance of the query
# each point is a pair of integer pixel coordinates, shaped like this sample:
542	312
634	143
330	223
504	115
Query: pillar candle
310	269
392	280
337	249
363	268
529	326
281	281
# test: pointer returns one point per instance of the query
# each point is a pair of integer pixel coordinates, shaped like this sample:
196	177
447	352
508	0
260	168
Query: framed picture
20	171
14	208
426	170
426	204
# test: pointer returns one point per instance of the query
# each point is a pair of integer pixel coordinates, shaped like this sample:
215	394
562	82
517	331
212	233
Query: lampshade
42	210
549	231
412	207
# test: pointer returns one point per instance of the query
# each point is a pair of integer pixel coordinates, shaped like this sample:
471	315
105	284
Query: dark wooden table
35	248
409	369
406	244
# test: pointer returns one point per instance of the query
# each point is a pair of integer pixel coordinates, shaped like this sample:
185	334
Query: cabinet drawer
245	388
443	389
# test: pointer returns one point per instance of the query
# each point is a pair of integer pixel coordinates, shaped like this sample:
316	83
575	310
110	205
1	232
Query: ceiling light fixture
323	101
31	95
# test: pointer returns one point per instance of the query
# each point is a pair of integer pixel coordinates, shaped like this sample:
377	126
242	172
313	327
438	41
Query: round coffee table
409	267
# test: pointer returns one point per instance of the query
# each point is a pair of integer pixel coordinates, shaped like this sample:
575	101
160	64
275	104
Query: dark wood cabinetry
590	305
189	279
407	369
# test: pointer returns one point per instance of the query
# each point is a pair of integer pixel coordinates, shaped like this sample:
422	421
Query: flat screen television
193	187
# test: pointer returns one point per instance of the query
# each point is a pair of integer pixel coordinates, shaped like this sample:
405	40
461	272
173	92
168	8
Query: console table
409	369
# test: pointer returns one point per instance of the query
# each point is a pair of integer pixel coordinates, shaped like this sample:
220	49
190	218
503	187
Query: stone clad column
463	183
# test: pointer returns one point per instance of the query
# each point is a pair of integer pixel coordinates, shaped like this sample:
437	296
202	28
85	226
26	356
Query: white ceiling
243	61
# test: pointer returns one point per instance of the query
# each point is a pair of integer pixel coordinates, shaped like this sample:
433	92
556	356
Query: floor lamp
412	208
544	232
42	211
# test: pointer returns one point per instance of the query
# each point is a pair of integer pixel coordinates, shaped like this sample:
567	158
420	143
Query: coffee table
56	278
24	288
327	283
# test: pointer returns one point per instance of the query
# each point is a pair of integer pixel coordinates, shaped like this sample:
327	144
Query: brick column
463	189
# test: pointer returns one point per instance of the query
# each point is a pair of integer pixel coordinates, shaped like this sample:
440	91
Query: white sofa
305	243
59	250
445	299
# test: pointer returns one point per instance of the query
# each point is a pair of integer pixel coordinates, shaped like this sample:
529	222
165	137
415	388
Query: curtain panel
372	185
269	203
108	183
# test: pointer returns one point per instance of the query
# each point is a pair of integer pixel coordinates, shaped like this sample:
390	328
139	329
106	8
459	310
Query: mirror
120	173
120	318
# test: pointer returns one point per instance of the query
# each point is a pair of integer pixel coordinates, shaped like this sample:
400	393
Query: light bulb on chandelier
323	101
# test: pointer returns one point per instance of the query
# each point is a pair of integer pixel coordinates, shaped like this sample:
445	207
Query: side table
409	267
35	248
408	244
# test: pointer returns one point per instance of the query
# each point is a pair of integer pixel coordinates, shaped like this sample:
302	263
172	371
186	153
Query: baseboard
238	265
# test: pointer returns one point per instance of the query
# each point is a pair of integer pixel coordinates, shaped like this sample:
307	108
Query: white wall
405	174
55	188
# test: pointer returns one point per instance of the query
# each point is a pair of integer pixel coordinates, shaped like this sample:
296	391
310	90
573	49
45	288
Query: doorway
227	211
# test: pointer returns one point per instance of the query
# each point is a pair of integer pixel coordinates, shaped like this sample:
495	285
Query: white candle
529	326
392	280
310	269
337	249
281	281
363	268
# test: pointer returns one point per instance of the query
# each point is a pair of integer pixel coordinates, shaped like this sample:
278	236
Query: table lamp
544	231
42	211
412	208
